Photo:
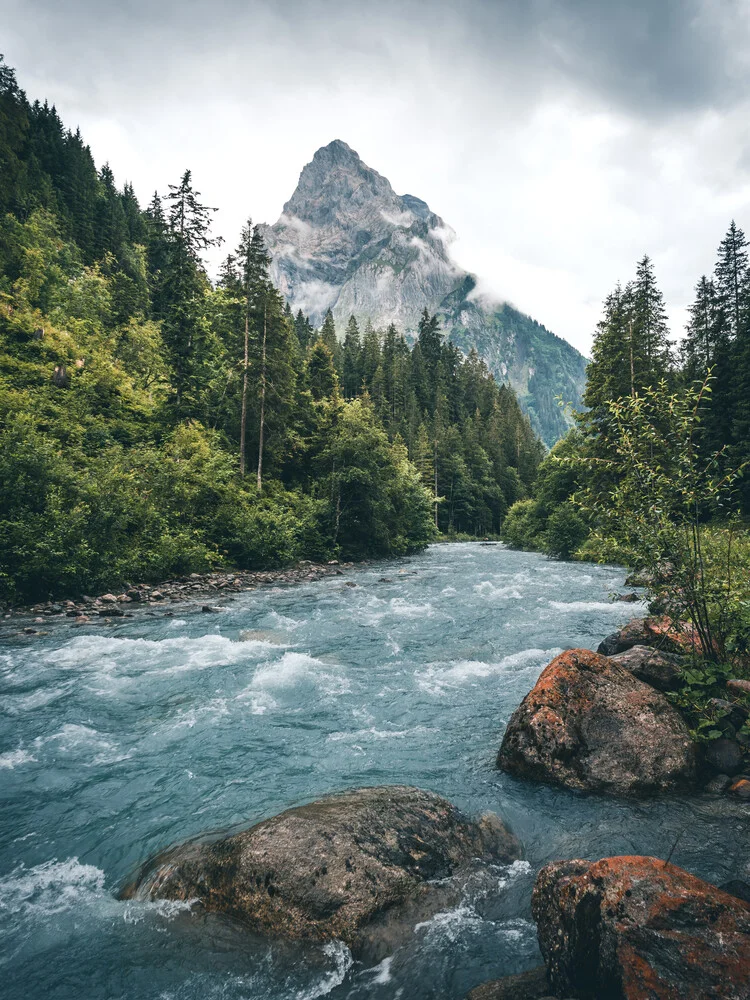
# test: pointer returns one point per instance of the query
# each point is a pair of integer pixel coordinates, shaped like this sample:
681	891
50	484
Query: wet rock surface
530	985
636	928
652	632
350	866
589	724
725	756
652	666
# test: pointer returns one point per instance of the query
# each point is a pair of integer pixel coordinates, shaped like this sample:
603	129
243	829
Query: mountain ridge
346	241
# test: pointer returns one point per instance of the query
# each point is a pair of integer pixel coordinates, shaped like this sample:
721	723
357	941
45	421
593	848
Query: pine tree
731	274
134	219
184	281
328	334
370	355
611	373
351	362
304	330
111	226
652	359
14	131
702	333
321	374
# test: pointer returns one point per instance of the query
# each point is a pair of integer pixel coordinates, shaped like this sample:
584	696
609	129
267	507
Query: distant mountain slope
347	242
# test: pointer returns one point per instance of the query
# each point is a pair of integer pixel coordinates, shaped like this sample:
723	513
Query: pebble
719	784
741	789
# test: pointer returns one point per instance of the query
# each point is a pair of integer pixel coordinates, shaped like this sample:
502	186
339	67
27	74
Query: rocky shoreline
629	928
197	588
603	722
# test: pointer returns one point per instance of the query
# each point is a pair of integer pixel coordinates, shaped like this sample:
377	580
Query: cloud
561	139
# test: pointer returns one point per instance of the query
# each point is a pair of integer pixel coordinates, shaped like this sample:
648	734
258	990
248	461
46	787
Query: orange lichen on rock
589	724
640	929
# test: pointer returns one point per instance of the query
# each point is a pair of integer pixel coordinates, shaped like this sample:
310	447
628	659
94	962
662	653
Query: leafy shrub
699	698
566	531
523	526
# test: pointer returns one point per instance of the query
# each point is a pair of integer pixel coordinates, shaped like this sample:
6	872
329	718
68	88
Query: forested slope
155	422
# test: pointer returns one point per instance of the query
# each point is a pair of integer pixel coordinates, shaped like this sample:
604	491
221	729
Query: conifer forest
158	423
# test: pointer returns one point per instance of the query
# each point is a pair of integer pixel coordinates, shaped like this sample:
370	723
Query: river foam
117	741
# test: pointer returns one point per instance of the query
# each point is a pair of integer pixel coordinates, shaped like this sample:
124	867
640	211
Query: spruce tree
703	332
14	132
184	281
328	333
731	275
611	373
304	330
322	379
652	358
351	360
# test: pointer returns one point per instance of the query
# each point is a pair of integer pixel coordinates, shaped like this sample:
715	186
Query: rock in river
589	724
656	632
660	670
335	868
635	928
530	985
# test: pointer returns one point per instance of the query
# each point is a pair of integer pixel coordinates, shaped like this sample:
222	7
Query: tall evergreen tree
184	280
351	360
731	274
652	358
611	373
304	330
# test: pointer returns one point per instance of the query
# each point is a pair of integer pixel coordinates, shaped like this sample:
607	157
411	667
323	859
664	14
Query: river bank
195	587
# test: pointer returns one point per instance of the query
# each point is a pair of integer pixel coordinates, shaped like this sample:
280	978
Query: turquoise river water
116	741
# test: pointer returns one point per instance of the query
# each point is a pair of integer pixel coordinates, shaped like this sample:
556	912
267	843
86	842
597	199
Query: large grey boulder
589	724
652	666
341	867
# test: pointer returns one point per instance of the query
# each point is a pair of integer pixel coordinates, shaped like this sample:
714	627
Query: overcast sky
561	139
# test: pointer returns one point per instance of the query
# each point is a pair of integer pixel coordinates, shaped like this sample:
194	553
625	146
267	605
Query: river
116	741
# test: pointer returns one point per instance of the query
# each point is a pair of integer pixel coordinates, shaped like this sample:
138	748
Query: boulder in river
655	632
652	666
725	756
637	928
351	866
589	724
531	985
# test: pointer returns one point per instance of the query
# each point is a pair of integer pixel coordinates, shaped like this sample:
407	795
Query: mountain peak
347	242
333	183
337	151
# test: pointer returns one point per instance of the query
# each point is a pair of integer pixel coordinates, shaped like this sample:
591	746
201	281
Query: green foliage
135	396
663	487
375	501
550	522
523	526
702	700
566	532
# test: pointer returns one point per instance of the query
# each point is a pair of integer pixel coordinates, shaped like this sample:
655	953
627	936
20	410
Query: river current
117	741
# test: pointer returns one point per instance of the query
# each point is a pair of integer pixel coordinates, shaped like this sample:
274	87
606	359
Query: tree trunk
632	366
436	486
243	418
262	398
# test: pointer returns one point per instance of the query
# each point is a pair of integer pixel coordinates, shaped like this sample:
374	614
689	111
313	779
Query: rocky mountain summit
346	241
